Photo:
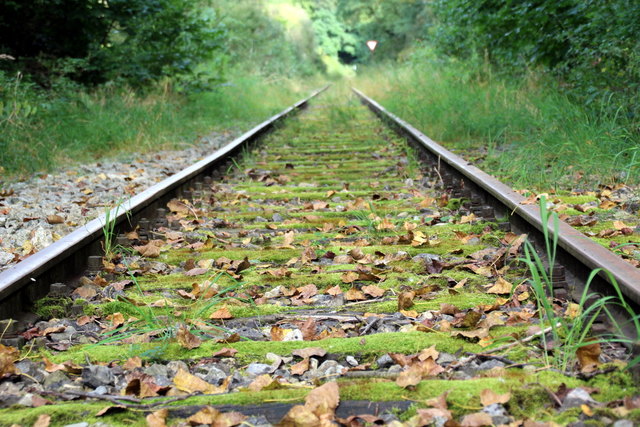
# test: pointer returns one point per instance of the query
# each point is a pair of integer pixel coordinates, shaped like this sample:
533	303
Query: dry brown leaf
86	292
67	366
158	418
489	397
309	352
8	356
429	352
589	357
439	402
221	314
474	335
55	219
300	416
354	294
189	383
386	224
418	371
500	287
177	206
334	290
477	419
426	417
349	277
410	377
186	339
133	363
324	400
149	250
277	333
225	352
261	382
288	239
405	300
300	367
373	290
43	421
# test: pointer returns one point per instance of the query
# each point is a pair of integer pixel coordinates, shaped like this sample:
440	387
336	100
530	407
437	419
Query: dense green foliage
278	41
592	45
523	131
138	41
223	61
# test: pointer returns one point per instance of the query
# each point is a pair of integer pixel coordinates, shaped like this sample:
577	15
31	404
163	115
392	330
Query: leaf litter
346	241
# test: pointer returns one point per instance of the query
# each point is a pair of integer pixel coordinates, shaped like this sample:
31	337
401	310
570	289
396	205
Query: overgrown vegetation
149	80
524	131
570	335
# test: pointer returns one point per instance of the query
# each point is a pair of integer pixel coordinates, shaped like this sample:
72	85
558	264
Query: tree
136	40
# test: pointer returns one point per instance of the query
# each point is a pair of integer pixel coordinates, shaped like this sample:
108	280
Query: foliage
524	130
138	41
592	45
394	24
81	125
570	333
278	41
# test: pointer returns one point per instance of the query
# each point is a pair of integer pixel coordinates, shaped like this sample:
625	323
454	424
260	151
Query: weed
162	323
523	131
109	246
570	333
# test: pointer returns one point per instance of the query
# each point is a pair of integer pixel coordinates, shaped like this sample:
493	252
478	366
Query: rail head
591	254
28	271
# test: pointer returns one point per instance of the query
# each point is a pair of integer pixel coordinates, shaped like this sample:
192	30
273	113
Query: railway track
327	262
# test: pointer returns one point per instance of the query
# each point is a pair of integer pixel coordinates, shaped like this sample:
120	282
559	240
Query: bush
138	41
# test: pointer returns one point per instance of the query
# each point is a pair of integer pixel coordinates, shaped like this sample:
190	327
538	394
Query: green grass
83	125
523	131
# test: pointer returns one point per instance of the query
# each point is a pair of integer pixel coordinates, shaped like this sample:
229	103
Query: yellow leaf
501	286
186	382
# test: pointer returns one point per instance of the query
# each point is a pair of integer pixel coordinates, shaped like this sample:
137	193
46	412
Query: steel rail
576	252
30	279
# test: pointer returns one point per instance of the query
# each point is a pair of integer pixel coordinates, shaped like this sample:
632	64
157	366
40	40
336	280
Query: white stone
41	238
5	258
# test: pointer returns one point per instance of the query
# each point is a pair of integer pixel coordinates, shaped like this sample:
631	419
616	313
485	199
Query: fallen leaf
324	400
439	402
43	421
158	418
586	410
354	294
225	352
261	382
197	271
489	397
300	367
373	291
429	352
588	357
149	250
501	286
221	314
186	339
55	219
309	352
405	300
349	277
177	206
190	383
334	290
477	419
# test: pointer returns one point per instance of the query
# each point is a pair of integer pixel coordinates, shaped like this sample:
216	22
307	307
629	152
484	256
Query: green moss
52	307
371	346
70	413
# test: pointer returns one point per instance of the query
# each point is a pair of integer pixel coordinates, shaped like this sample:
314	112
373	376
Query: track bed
327	277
